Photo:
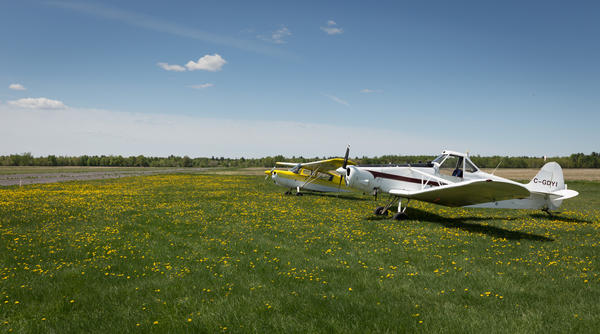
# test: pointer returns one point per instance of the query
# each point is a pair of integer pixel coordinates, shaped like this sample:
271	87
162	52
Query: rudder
548	179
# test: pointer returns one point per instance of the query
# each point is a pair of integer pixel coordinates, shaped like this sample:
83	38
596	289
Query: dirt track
62	176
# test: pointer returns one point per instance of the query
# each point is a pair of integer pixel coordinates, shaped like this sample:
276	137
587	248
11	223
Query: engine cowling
359	179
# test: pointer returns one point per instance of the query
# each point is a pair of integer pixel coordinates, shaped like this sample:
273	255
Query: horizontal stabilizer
563	194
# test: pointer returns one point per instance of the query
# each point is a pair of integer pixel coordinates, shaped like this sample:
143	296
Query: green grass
207	253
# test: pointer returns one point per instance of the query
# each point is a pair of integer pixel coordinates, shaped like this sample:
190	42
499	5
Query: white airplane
452	179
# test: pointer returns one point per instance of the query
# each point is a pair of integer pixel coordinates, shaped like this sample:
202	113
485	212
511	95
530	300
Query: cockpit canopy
454	164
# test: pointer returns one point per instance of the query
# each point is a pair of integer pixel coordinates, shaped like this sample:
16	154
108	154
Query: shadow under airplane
333	195
464	223
560	218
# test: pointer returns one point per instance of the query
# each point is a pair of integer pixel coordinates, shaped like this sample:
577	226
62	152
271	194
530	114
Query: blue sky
299	78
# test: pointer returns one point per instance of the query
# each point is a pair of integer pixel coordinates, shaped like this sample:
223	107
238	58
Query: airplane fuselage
293	180
370	179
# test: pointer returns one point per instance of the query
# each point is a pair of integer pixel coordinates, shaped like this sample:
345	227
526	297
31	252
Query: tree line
576	160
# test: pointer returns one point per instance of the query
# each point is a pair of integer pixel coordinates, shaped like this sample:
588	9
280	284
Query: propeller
344	167
269	173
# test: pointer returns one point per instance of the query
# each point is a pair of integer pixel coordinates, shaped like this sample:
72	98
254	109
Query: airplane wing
291	164
466	193
321	165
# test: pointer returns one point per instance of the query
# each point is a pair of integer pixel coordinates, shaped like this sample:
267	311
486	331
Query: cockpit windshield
296	168
453	164
440	158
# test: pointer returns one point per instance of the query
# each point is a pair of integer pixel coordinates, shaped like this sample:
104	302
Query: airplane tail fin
550	183
548	179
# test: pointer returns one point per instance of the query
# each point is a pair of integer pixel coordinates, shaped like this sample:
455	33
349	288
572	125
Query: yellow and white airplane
313	176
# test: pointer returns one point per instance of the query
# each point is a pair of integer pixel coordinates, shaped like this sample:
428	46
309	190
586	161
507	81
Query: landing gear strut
289	192
401	214
384	210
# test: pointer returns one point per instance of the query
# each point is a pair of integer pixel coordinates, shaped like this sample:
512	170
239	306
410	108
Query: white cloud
277	36
38	103
337	99
17	86
210	63
368	91
168	67
332	28
202	86
75	131
280	34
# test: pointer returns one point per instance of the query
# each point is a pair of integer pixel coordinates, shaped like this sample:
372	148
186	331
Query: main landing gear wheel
401	214
298	194
384	210
381	211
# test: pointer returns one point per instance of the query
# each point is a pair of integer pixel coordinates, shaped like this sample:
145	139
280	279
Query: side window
469	167
325	176
449	165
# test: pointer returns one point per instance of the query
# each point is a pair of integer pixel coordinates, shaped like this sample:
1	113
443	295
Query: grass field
219	253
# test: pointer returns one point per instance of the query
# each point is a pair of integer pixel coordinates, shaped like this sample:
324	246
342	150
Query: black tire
379	211
298	194
400	216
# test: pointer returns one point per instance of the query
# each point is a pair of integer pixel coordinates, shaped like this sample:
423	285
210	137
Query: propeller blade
344	167
346	157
